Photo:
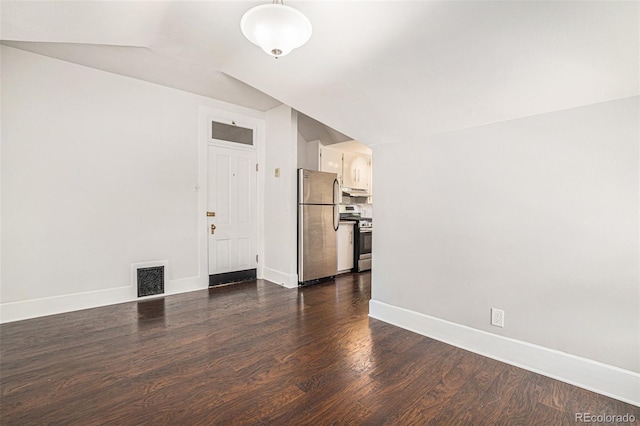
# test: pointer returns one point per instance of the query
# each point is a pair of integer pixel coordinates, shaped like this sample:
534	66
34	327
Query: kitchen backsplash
363	210
366	210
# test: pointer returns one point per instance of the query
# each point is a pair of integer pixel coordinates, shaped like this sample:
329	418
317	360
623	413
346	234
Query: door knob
213	229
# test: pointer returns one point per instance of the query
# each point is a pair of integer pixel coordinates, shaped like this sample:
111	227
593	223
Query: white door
231	197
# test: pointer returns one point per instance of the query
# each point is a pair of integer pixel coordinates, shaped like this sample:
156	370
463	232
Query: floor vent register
150	281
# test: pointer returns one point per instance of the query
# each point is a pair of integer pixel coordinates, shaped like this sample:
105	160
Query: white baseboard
281	278
16	311
605	379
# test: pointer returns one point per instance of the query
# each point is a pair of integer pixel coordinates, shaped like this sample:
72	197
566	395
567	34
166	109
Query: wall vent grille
150	281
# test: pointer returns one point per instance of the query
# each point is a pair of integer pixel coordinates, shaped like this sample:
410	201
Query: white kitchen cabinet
345	246
356	171
331	161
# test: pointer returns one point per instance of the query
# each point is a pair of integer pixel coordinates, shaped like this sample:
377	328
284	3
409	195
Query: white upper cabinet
356	171
353	168
331	161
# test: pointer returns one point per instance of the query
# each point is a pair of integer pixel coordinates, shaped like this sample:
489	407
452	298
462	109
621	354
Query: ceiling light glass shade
276	28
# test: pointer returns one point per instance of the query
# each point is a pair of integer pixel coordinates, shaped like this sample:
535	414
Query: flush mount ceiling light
276	28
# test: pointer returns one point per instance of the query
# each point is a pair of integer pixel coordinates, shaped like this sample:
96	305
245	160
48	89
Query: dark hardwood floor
256	353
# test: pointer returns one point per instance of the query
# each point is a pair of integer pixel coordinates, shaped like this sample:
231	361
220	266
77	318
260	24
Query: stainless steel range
363	236
362	255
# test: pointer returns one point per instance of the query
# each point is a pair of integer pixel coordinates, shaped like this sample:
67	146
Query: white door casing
231	195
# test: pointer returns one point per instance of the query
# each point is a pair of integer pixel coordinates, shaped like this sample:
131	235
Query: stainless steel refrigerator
318	221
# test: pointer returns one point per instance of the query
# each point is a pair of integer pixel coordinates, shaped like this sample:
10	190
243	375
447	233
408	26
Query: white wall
99	172
280	205
536	216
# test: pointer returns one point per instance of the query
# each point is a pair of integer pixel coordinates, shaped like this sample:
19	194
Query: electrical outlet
497	317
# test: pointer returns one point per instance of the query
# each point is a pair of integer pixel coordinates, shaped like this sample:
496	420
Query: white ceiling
312	130
378	71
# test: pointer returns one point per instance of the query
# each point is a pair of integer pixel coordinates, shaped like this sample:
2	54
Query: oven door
363	256
365	242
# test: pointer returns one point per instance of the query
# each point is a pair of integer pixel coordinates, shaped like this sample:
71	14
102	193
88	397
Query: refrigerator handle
336	211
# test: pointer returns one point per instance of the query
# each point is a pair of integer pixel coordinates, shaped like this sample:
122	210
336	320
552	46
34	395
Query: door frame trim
256	119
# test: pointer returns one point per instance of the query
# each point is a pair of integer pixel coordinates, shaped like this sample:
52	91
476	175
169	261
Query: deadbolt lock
213	229
211	214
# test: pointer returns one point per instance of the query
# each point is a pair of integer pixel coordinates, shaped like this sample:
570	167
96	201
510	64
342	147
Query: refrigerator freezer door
317	187
317	245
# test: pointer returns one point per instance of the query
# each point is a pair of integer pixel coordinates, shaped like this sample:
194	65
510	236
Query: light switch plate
497	317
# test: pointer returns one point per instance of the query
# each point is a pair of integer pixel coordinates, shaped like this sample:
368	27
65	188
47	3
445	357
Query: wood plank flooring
256	353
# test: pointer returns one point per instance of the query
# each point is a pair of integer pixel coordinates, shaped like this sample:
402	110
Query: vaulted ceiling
378	71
